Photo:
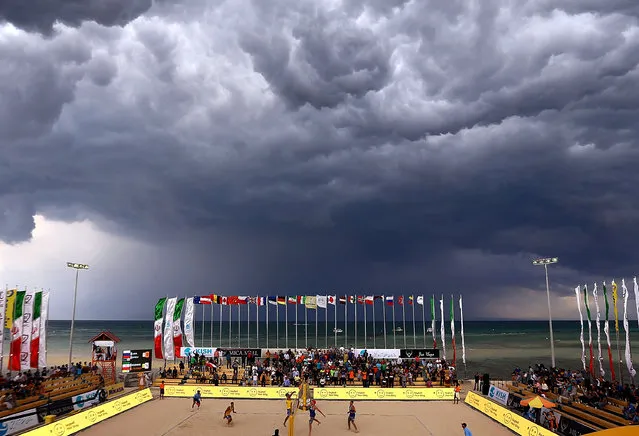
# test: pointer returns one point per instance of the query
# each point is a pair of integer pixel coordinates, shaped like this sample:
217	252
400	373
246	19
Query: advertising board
136	360
384	394
209	391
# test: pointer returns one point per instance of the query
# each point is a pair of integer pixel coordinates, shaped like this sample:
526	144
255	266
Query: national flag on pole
614	305
369	299
410	300
27	322
389	300
400	300
203	300
342	299
332	299
177	329
292	300
16	332
35	330
224	300
157	328
607	332
301	299
321	301
217	299
281	300
260	301
598	324
272	300
310	301
420	299
591	360
352	299
360	299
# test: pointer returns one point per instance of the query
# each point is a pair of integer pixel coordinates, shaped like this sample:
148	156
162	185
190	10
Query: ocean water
493	347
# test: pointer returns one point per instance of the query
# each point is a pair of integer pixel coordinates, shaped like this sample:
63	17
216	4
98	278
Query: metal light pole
545	262
77	267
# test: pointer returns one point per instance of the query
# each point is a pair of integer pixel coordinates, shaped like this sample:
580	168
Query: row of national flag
310	301
25	314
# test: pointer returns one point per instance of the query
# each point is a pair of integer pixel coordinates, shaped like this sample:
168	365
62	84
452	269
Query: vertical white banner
169	351
44	316
188	322
599	355
581	323
461	319
626	327
443	327
3	308
25	347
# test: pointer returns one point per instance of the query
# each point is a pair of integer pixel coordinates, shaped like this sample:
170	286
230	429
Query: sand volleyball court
173	417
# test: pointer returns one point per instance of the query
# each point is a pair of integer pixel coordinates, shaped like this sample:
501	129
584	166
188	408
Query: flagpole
248	324
355	309
374	326
461	320
346	322
424	319
614	300
203	326
257	320
220	304
211	323
267	304
316	316
305	325
414	330
2	322
230	324
404	320
394	328
335	313
365	335
286	328
277	322
297	300
384	314
326	323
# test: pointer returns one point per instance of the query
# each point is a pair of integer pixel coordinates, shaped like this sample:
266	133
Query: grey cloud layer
365	135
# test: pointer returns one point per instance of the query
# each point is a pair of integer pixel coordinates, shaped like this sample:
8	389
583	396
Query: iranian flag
27	318
157	327
35	330
16	332
177	330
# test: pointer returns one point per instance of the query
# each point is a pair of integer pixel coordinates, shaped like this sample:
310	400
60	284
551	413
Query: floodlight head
77	265
545	261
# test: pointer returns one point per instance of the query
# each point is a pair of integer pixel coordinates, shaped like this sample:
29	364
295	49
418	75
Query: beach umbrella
538	402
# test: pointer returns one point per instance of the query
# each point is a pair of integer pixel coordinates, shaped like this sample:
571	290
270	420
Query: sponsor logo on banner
207	391
208	352
114	389
87	399
380	353
241	352
404	394
499	395
19	422
58	408
514	422
82	420
422	353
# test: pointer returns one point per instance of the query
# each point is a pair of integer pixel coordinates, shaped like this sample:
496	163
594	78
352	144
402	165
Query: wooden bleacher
55	389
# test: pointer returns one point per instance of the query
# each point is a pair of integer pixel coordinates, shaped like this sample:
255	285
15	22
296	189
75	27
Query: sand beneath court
173	417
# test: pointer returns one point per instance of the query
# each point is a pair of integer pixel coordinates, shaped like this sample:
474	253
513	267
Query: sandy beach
173	417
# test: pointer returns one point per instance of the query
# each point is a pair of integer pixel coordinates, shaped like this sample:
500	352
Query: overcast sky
302	147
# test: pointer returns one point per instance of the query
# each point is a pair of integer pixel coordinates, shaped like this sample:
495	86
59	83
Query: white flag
636	289
3	308
27	321
581	334
44	316
599	356
420	299
461	319
332	299
321	301
188	323
169	351
443	327
626	327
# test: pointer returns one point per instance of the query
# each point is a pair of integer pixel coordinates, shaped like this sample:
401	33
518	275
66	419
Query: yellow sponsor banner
513	421
384	394
89	417
114	389
10	302
209	391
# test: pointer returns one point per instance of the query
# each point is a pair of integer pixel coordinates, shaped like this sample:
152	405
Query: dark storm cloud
379	145
41	15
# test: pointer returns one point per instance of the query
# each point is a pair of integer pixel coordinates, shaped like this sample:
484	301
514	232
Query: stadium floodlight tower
77	267
545	262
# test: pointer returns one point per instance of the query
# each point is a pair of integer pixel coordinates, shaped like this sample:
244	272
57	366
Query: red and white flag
400	300
389	300
332	299
370	299
177	329
157	328
35	330
27	322
16	332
